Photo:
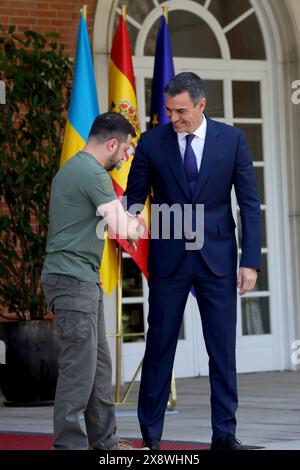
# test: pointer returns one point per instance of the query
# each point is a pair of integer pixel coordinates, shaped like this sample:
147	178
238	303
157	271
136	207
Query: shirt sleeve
123	224
96	185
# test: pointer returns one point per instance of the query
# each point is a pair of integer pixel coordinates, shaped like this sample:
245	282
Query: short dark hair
186	81
111	125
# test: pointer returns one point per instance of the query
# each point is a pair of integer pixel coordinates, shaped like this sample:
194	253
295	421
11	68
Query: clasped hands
136	230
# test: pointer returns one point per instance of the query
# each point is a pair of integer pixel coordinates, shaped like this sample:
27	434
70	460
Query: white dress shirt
197	142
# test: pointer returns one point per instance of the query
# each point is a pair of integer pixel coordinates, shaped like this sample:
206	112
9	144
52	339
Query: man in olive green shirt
81	192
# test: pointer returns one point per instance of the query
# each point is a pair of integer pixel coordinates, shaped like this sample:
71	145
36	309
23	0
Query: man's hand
121	223
132	244
138	231
136	226
246	280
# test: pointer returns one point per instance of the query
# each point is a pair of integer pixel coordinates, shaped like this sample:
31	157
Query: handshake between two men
122	223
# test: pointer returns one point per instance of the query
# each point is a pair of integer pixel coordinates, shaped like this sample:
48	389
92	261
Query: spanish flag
122	99
83	107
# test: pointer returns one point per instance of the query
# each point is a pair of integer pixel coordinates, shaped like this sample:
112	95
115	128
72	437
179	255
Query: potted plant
37	75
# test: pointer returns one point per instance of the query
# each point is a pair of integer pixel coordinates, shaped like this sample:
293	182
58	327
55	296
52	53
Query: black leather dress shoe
228	442
152	444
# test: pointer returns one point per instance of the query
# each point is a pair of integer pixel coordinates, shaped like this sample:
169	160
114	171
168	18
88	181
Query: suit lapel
172	153
210	154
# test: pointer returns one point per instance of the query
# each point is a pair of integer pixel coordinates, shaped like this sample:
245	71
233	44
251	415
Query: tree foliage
37	77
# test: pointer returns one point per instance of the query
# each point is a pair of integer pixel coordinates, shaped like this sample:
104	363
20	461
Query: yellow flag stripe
73	142
109	266
120	88
121	91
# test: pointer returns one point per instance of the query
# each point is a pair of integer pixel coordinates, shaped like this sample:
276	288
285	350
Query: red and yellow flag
122	99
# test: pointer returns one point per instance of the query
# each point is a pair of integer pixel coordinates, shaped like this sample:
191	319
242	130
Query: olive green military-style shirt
73	247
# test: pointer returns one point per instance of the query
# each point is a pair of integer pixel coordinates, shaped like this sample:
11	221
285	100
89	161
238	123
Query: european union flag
163	73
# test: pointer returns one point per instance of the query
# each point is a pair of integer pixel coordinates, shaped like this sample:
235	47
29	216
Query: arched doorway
229	45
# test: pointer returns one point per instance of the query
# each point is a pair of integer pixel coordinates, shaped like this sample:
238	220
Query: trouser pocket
75	326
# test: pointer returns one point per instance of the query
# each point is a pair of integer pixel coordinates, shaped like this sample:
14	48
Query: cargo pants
85	372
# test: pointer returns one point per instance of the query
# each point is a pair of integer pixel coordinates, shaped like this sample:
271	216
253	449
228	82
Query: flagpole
166	13
119	304
84	11
119	328
124	11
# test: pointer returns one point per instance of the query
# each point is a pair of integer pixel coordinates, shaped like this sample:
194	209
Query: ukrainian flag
84	103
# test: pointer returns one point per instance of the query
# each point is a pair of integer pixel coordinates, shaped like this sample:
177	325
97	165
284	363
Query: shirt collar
200	132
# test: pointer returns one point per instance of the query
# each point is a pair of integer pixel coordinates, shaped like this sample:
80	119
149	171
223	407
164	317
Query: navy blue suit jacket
226	162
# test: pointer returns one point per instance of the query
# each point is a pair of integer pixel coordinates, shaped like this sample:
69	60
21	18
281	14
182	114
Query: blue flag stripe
84	104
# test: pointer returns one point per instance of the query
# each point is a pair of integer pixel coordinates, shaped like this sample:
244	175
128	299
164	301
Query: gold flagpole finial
84	11
124	11
166	13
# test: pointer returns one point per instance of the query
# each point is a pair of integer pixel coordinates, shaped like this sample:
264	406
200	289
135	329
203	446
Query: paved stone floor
269	412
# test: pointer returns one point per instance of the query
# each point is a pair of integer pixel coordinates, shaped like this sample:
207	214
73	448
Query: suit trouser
84	380
216	297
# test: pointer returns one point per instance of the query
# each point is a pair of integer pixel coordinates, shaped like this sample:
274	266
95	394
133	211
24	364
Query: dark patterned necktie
190	163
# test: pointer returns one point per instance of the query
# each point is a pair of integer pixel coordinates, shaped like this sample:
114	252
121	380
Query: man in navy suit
194	160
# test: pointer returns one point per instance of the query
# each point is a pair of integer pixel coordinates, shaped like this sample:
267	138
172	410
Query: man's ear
202	104
112	145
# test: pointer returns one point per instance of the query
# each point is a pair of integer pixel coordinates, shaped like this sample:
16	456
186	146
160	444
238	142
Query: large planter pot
29	374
